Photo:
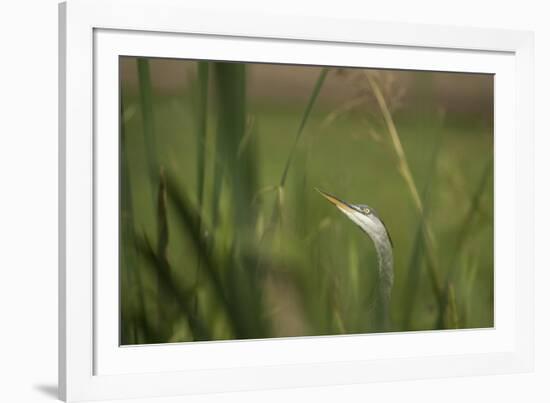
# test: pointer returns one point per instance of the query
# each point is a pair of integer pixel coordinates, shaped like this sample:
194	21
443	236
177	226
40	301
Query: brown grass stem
405	171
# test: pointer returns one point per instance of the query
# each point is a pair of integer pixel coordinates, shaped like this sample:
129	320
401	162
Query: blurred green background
217	242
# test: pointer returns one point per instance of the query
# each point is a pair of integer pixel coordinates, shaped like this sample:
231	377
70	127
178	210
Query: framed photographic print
245	206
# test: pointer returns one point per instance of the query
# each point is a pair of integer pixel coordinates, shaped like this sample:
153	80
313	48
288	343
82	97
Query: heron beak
342	205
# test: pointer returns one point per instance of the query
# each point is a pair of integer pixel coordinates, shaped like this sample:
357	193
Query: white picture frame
93	33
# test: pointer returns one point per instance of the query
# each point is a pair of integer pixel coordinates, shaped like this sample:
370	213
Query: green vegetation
223	237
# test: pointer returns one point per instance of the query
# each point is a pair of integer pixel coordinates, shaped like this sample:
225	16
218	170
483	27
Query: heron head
362	215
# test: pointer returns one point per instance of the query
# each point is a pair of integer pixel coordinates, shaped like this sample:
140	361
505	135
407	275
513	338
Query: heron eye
366	210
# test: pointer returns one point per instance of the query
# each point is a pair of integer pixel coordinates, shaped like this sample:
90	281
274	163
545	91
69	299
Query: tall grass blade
469	218
471	274
203	70
418	252
147	113
454	321
245	295
240	173
162	219
178	294
239	168
312	99
187	218
267	234
462	236
129	264
305	117
202	123
162	255
146	101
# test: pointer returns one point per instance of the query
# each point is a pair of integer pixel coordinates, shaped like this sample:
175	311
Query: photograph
261	200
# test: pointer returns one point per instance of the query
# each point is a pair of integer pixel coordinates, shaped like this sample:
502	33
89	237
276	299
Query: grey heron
371	223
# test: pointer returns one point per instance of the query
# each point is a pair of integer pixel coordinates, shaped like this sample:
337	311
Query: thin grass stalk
268	231
186	216
279	190
464	231
469	218
217	188
471	274
312	99
128	257
162	219
403	166
180	295
305	117
162	253
230	80
454	321
418	252
301	187
237	153
147	113
202	121
405	172
127	318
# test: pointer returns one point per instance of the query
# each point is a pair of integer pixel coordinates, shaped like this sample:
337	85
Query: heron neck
385	274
